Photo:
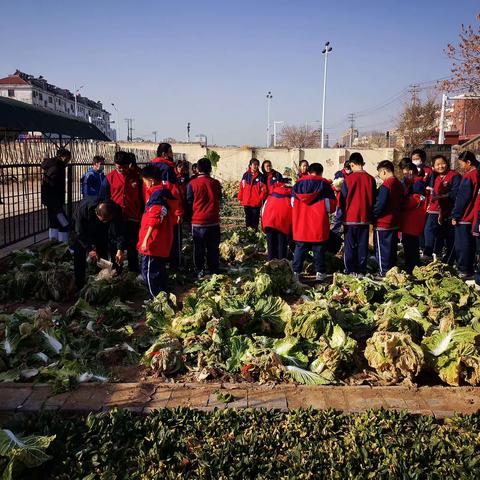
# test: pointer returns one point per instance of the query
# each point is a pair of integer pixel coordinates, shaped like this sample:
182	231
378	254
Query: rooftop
21	78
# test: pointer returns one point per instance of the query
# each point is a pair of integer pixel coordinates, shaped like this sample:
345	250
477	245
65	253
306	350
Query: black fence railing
22	214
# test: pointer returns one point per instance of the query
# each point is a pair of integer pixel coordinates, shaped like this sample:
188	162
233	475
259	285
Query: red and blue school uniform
251	195
387	215
277	220
170	182
127	192
160	241
271	179
412	220
439	231
313	201
464	213
203	195
357	197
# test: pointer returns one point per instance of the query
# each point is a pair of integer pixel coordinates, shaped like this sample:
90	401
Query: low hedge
244	444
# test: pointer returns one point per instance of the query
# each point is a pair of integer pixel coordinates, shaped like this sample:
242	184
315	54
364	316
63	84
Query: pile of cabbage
394	330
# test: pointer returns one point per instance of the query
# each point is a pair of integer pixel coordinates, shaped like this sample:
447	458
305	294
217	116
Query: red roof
13	80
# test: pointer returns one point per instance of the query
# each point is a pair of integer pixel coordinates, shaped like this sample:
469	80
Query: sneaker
296	277
320	277
200	274
466	276
426	258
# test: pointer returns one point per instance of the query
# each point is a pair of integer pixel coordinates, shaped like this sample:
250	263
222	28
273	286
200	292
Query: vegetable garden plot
229	444
252	323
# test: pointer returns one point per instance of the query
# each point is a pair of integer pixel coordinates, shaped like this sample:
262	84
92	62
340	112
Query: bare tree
304	136
465	59
418	122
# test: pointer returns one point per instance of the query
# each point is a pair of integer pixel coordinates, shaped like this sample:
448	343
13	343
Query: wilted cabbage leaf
394	356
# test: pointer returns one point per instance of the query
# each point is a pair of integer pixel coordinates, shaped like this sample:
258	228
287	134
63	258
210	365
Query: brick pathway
145	397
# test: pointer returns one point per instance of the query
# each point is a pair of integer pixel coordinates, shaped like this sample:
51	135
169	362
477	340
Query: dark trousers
154	273
132	229
411	250
464	248
302	248
439	239
80	259
206	242
252	216
356	248
57	219
386	242
277	243
175	258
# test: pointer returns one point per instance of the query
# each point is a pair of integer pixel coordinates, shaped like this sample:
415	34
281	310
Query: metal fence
22	214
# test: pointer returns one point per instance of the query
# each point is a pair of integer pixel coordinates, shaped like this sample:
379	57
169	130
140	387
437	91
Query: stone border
440	402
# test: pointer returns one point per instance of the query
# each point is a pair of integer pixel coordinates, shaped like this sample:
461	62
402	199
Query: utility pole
325	52
269	101
188	132
118	122
155	136
414	90
129	122
351	119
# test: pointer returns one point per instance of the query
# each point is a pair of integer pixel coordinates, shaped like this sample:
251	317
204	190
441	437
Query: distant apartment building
462	117
39	93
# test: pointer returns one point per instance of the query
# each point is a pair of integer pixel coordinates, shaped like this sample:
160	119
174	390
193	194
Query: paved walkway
145	397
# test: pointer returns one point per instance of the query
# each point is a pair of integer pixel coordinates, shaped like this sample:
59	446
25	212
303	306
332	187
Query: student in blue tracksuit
464	213
92	179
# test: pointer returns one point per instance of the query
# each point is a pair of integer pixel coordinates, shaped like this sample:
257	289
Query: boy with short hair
156	232
313	201
204	194
387	214
91	181
357	197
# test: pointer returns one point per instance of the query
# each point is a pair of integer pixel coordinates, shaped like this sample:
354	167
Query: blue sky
212	62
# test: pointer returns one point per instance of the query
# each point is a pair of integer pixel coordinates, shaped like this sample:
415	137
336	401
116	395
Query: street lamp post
118	122
275	131
75	93
325	52
269	101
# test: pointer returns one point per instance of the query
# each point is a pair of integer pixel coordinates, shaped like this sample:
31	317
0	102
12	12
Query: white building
38	92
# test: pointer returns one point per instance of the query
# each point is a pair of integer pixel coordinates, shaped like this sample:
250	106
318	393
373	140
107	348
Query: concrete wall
234	160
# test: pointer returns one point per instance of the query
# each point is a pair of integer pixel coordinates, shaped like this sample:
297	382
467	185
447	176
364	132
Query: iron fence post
69	192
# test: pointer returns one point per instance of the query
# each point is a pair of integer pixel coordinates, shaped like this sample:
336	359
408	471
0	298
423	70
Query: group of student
432	211
140	211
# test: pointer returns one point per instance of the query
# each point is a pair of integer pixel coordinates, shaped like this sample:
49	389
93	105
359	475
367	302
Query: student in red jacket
124	186
413	215
164	162
156	233
313	200
387	213
419	159
439	231
252	193
183	178
204	194
277	219
357	197
270	176
464	213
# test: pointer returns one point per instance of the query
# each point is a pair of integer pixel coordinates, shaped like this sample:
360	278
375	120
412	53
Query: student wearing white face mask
419	158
